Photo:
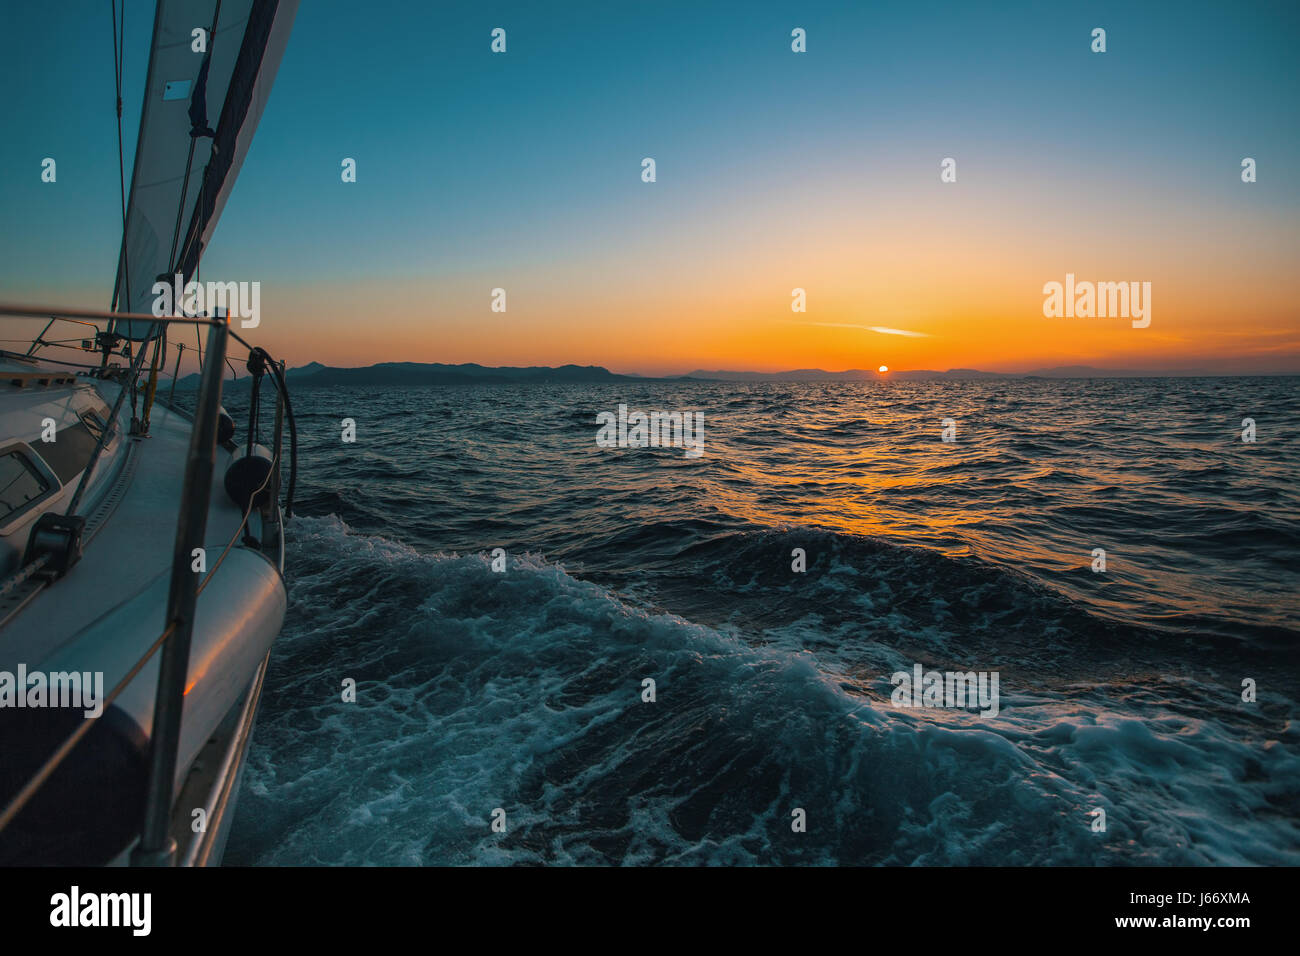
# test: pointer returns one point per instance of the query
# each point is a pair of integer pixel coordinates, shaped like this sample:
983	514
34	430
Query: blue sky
477	170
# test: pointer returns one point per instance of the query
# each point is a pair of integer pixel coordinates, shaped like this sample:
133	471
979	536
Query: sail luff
122	260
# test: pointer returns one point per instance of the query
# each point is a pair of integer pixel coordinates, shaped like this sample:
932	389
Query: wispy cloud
871	328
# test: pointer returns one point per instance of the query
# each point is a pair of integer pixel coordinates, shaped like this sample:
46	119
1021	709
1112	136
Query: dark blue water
522	690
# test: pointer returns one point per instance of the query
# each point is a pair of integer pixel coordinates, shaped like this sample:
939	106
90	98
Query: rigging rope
283	389
159	344
118	52
189	161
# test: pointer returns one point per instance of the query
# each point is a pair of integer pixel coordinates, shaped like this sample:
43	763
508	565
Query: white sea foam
522	691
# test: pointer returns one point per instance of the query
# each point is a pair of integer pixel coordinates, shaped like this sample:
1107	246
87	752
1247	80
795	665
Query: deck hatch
21	485
26	481
70	452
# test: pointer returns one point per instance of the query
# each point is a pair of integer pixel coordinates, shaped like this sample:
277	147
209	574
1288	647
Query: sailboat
141	534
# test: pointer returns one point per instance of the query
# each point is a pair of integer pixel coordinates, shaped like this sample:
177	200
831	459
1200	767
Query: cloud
871	328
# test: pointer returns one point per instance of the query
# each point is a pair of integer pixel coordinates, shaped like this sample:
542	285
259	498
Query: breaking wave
523	691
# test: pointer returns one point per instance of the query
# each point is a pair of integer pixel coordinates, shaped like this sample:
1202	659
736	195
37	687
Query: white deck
132	549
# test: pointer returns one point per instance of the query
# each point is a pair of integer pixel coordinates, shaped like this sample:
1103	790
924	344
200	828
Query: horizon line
1083	371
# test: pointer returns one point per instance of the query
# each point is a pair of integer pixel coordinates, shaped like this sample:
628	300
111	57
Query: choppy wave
523	690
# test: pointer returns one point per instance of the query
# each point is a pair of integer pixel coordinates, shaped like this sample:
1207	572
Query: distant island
407	374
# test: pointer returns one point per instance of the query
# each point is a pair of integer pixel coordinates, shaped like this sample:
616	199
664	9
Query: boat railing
155	846
41	341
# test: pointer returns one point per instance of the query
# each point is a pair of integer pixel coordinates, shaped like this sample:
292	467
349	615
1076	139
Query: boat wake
523	691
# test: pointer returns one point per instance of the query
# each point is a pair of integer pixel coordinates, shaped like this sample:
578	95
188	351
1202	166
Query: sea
509	645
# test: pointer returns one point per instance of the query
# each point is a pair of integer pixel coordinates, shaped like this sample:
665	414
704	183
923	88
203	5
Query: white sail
212	98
